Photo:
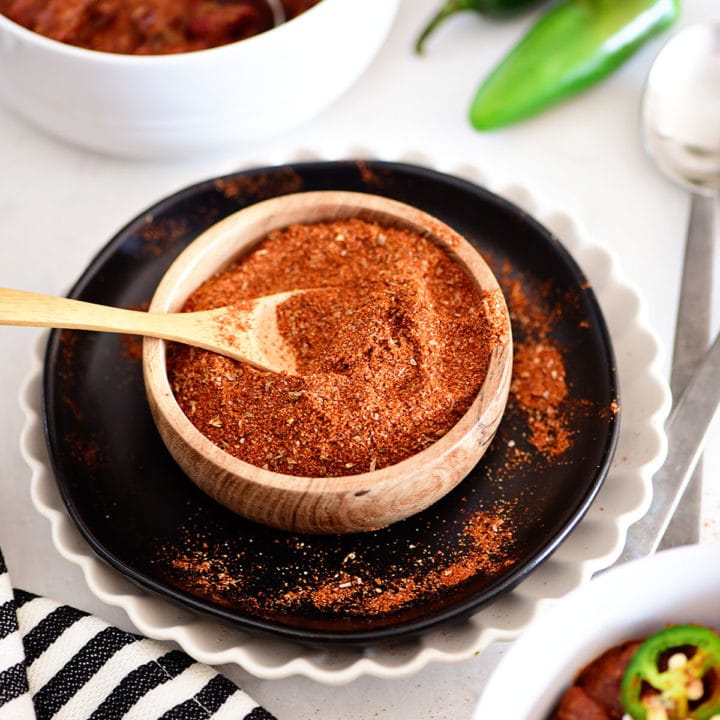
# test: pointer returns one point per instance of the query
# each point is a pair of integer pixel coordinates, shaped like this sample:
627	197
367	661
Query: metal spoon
681	124
278	12
247	332
681	109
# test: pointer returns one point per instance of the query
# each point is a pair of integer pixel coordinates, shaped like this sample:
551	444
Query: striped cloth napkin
61	663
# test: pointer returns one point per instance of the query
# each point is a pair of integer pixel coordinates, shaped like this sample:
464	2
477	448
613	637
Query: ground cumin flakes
392	344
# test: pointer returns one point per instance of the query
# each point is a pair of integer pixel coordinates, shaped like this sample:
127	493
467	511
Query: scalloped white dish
593	545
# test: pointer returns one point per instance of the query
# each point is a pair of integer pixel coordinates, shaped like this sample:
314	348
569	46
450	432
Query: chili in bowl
404	354
638	642
672	674
151	27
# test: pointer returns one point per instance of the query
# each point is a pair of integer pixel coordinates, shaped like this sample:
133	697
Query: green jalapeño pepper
674	675
491	8
571	47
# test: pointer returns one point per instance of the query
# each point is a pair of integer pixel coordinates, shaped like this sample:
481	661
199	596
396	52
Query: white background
59	205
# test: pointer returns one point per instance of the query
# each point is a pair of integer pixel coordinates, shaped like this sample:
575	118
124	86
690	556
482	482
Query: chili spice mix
392	342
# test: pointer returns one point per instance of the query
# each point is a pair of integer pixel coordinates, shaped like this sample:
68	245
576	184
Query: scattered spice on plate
483	545
499	512
538	389
353	588
392	342
371	580
261	186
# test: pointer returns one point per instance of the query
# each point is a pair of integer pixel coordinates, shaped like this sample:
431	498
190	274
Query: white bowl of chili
183	103
625	604
404	352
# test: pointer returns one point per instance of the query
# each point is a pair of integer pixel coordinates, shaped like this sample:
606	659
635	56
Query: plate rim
362	664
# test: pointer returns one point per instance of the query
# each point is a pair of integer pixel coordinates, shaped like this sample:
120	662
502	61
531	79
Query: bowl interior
238	234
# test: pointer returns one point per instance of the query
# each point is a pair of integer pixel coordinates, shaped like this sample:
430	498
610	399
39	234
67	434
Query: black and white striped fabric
61	663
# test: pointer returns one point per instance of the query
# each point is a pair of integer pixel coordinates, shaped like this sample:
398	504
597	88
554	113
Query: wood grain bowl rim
237	234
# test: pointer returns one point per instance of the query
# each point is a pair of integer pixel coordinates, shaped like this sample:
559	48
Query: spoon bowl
681	109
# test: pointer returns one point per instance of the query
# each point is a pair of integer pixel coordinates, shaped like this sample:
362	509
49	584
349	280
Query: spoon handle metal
692	337
686	428
693	319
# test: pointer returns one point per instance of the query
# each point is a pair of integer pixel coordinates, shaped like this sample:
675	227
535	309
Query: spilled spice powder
354	589
473	538
392	343
538	389
482	548
157	235
260	186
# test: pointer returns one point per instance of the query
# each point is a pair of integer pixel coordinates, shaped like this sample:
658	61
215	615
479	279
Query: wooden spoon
246	331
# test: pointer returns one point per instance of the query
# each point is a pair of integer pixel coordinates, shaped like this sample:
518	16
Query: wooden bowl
351	503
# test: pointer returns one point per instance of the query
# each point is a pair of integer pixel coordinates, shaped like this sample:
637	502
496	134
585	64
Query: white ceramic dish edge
627	602
129	105
594	544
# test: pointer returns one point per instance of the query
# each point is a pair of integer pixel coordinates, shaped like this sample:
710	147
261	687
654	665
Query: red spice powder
357	591
392	343
261	186
539	389
353	588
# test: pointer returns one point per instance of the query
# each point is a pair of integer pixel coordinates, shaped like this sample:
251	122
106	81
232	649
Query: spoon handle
21	307
248	334
692	337
687	428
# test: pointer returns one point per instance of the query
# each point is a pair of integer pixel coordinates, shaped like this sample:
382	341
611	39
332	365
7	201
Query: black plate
139	512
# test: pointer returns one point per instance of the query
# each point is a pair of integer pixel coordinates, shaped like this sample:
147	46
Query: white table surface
59	205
